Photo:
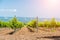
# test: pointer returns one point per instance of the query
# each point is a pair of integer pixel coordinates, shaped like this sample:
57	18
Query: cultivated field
26	34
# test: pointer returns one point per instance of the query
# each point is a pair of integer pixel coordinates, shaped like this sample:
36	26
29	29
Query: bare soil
25	34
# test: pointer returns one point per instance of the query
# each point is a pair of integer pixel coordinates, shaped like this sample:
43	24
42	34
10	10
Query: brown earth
25	34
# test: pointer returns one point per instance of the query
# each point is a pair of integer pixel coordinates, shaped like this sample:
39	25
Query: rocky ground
25	34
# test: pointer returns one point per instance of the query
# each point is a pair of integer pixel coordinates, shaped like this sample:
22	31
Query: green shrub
58	24
53	22
14	23
46	23
1	23
32	23
40	24
20	24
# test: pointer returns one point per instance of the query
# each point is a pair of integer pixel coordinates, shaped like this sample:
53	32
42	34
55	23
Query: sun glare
53	1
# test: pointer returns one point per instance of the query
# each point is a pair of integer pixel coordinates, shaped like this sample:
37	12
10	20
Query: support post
37	24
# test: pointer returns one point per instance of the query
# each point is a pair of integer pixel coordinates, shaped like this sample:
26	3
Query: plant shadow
53	37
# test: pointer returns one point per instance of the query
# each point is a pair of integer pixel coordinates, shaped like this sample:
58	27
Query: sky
30	8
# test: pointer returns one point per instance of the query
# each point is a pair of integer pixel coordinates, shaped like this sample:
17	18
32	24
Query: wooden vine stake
37	24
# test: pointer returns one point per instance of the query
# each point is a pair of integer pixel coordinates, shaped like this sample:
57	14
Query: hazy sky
30	8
